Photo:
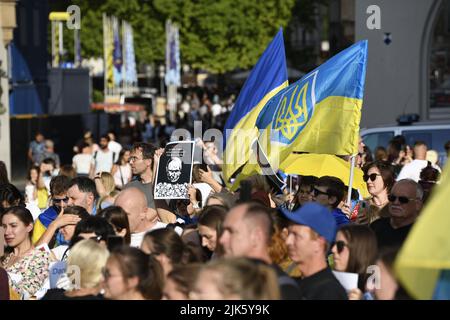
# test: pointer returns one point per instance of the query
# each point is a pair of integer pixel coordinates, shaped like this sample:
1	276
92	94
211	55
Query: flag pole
350	182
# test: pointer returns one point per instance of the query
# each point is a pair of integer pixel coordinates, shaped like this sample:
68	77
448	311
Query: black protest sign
174	172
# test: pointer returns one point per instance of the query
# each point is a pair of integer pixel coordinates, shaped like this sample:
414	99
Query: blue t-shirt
340	217
37	149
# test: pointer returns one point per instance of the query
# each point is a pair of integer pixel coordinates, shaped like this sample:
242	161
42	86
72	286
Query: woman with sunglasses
379	177
354	250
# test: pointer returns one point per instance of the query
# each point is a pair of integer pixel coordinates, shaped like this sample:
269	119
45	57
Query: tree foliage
215	35
220	36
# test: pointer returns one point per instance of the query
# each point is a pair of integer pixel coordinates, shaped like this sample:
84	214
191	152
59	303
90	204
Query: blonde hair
242	277
90	257
108	183
432	156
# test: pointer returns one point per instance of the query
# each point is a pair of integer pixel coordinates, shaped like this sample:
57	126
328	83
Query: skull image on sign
173	169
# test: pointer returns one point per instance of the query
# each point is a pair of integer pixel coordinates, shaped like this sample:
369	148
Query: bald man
141	218
412	170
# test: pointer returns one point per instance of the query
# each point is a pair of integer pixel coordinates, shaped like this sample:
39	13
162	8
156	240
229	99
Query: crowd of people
99	216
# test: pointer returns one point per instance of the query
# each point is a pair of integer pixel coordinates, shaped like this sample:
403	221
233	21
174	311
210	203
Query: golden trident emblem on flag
291	117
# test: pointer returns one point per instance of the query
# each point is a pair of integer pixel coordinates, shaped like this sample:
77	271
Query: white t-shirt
59	251
82	162
115	147
205	190
126	175
104	161
34	209
216	109
136	238
412	170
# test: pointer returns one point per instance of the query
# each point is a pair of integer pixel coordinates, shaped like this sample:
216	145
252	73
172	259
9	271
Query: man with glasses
405	203
329	192
59	200
143	162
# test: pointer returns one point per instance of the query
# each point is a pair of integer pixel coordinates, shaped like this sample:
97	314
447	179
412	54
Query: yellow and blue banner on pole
267	78
320	113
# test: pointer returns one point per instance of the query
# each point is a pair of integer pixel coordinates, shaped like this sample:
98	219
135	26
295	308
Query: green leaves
215	35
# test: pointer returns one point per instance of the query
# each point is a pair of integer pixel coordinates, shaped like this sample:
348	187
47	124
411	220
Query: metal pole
53	44
76	48
104	59
60	26
350	182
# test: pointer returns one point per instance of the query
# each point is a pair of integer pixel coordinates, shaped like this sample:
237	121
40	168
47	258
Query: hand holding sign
174	170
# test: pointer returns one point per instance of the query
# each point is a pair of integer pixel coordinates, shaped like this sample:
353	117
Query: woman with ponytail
130	274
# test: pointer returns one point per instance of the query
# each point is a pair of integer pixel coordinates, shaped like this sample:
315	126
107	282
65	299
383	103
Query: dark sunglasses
66	199
340	245
372	177
401	199
316	192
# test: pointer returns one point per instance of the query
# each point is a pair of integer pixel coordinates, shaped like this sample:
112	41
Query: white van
435	135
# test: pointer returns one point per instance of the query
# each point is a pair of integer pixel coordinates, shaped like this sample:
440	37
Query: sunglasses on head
316	192
401	199
340	245
371	176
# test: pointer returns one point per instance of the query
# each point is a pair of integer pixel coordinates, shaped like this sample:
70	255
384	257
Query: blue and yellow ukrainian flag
267	78
42	222
320	113
423	262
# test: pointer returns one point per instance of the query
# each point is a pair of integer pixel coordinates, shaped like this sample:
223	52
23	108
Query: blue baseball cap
317	217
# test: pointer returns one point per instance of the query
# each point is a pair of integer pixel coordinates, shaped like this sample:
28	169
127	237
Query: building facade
408	67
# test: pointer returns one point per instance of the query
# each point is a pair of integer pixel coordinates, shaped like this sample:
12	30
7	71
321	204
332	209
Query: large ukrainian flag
267	78
423	262
320	113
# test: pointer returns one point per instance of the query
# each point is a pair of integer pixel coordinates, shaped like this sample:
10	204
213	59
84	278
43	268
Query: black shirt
322	285
58	294
386	235
288	287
